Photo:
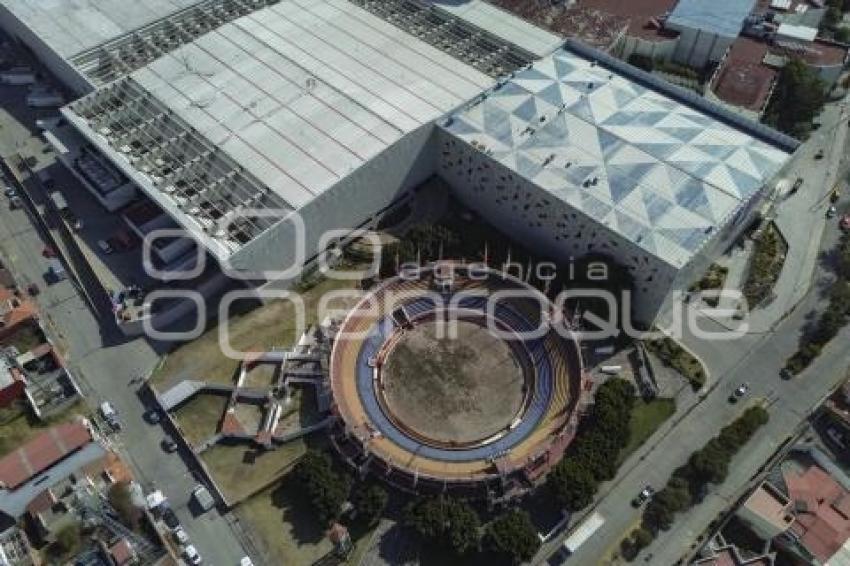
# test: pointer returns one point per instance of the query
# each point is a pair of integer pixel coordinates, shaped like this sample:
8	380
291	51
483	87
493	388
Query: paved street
755	358
104	362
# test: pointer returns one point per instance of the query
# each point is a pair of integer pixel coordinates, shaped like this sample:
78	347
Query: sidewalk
801	219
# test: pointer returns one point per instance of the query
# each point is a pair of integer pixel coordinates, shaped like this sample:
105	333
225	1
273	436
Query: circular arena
455	378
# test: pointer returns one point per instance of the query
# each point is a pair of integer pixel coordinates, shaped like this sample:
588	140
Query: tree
798	97
369	500
463	527
327	489
641	537
572	485
444	521
121	500
425	516
842	34
69	539
709	464
832	17
513	536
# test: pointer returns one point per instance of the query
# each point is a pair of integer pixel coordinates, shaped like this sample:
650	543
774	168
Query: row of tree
833	319
448	523
593	456
454	525
689	483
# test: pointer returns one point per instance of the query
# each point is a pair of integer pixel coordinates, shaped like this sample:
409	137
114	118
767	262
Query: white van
110	415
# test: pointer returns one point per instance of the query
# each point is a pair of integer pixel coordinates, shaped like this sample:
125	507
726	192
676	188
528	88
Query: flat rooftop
504	24
744	80
669	167
72	26
722	17
286	101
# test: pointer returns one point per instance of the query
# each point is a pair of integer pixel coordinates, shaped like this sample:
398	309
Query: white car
181	536
192	555
831	211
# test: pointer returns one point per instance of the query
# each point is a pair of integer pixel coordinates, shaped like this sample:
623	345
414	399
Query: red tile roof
823	516
42	452
43	501
121	552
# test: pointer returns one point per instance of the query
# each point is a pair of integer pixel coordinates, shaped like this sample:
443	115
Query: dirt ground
453	390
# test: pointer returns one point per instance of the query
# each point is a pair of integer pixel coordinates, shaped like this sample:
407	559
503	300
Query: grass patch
19	425
198	418
673	355
646	417
240	469
270	325
765	266
284	522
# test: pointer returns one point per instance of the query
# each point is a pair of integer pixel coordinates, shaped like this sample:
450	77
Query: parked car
192	555
33	290
831	212
168	444
153	416
844	223
202	497
739	392
10	192
819	154
644	496
180	535
170	519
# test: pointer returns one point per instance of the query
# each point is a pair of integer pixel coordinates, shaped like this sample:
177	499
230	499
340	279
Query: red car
844	223
48	252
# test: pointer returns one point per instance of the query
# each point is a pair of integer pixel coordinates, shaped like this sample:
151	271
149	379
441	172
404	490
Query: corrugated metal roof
70	27
503	24
723	17
302	93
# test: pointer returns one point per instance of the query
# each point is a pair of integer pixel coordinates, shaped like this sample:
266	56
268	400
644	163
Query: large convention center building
229	115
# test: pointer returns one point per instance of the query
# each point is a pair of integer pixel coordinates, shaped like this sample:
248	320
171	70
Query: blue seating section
538	357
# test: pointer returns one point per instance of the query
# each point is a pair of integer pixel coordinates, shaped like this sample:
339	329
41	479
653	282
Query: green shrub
673	355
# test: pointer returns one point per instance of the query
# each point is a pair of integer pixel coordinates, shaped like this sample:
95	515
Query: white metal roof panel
72	26
303	92
662	173
503	24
